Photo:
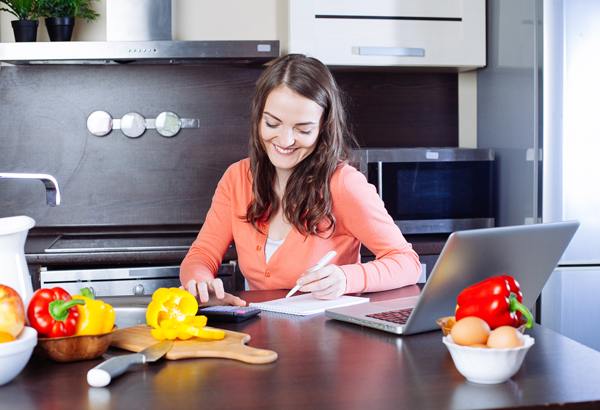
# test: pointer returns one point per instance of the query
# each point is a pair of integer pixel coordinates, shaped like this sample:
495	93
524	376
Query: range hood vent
140	52
139	32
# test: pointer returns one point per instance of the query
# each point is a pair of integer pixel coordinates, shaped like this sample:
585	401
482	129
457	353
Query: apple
12	311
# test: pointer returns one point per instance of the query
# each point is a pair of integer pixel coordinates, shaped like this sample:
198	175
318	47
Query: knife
102	374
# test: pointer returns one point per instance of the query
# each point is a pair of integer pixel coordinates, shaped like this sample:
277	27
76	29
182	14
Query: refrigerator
538	107
570	302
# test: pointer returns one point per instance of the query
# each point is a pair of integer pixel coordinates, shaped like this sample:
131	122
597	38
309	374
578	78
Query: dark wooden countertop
322	364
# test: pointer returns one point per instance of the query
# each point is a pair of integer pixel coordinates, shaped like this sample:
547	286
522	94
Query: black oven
430	190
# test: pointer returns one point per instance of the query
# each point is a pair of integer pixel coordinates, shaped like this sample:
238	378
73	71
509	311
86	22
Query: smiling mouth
284	151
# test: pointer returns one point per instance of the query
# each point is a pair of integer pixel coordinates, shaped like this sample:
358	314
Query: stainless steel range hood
139	52
139	32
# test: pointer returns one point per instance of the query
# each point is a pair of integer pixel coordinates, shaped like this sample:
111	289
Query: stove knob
138	290
92	290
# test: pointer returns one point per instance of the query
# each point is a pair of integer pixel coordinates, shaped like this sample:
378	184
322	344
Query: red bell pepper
53	313
516	289
496	300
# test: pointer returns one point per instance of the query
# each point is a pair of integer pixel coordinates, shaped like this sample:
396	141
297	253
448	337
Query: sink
129	310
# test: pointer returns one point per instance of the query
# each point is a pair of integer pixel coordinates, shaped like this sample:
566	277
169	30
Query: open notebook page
307	304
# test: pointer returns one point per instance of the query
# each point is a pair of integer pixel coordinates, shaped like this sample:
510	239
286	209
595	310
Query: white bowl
15	355
487	366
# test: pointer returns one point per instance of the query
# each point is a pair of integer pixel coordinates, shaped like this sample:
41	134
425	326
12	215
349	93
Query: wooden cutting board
233	346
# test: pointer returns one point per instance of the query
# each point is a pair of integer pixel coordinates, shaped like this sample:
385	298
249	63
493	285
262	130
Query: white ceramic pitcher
13	266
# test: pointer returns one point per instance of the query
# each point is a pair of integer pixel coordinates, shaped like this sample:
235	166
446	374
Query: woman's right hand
212	293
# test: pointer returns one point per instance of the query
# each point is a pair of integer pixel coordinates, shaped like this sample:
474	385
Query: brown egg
505	337
481	345
469	331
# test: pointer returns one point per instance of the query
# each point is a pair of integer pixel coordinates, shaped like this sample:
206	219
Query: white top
271	246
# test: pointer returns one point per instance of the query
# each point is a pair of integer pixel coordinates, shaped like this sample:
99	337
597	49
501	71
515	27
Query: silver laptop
528	253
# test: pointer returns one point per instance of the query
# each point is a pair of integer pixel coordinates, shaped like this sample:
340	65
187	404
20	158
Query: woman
296	198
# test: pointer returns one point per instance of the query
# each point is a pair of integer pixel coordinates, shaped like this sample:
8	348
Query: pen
321	264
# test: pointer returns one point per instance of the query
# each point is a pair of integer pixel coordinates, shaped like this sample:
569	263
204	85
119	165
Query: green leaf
67	8
22	9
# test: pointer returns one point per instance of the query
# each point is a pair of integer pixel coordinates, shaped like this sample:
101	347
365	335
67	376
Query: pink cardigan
361	218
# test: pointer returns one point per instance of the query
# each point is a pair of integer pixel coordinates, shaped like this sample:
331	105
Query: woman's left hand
328	282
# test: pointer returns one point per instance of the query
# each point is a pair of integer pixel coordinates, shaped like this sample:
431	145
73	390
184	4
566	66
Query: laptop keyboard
395	316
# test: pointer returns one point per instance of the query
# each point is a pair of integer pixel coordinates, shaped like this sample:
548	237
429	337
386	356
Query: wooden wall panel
407	110
115	180
152	180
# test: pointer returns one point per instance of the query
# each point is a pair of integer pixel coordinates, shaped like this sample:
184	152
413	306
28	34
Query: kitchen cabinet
509	108
515	48
411	33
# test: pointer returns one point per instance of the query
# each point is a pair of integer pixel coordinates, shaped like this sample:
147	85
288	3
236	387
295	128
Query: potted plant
25	28
61	14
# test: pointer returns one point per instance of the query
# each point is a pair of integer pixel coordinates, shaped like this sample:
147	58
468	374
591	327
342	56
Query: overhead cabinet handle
391	51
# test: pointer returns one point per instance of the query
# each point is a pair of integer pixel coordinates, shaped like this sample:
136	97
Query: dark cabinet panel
404	110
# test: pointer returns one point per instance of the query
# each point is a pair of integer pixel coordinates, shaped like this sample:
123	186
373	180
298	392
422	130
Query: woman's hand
326	283
212	293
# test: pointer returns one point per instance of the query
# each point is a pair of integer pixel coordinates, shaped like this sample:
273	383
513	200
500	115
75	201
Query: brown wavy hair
307	198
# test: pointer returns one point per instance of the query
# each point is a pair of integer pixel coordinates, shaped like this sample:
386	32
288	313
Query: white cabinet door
418	33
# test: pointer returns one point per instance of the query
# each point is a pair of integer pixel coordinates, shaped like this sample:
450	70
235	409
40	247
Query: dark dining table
322	364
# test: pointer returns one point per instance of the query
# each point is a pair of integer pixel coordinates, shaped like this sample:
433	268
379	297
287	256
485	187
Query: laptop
528	253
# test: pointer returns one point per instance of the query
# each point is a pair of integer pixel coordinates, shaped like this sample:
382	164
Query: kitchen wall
152	180
116	180
246	20
192	20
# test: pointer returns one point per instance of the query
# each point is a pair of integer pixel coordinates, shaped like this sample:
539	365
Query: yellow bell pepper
172	315
95	316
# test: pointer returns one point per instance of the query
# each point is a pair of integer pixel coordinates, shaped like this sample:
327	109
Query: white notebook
307	304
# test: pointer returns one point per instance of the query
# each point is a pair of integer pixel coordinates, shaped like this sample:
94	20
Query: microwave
432	190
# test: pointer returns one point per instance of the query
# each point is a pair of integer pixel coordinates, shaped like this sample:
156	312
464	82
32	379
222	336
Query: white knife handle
102	374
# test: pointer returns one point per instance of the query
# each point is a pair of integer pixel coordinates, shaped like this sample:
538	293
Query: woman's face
289	128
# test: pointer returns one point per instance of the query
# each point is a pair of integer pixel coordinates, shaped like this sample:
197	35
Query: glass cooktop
122	242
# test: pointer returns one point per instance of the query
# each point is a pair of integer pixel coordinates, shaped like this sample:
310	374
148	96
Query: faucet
52	189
